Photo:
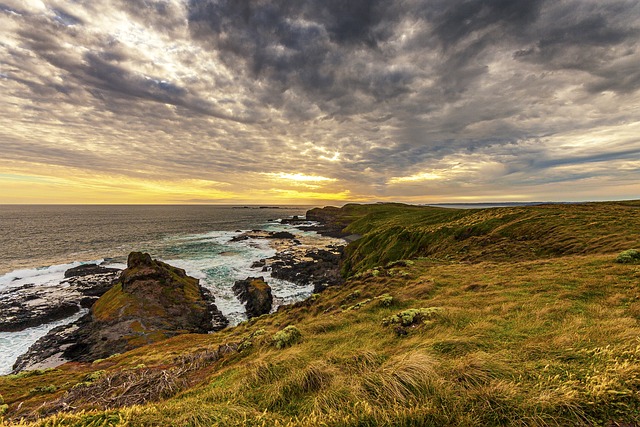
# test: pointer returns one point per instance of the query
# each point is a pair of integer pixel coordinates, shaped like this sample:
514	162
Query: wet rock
93	284
320	267
87	302
294	220
30	306
281	235
89	269
17	316
256	294
259	264
48	351
218	320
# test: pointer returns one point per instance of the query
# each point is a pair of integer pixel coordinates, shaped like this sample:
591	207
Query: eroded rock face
256	294
150	301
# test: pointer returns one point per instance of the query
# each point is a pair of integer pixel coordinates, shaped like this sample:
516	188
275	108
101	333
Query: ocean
39	243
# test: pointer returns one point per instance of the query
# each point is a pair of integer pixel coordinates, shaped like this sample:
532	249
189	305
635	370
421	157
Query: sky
319	101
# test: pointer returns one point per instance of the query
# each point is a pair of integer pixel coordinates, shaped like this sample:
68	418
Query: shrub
286	337
43	389
250	340
628	257
411	316
93	376
385	300
3	409
359	305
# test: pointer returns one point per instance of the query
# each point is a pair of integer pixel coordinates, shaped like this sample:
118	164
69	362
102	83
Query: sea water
39	243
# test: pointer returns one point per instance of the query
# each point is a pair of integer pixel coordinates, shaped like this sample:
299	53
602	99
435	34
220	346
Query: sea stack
151	301
256	294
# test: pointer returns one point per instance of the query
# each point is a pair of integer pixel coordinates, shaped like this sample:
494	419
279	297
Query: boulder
281	235
256	294
88	269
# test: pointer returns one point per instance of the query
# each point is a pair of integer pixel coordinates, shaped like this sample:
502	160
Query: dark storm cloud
312	45
588	36
454	21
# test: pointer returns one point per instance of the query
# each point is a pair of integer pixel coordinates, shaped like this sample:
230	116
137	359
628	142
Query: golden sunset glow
423	176
298	177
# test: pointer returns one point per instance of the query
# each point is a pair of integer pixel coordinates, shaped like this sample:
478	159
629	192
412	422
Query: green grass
539	340
393	231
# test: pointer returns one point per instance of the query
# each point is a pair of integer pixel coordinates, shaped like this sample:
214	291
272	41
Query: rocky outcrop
88	270
263	234
49	350
281	235
330	221
320	267
294	220
29	306
151	301
256	294
91	281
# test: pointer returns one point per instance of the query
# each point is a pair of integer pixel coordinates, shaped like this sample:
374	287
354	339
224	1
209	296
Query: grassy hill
509	316
394	231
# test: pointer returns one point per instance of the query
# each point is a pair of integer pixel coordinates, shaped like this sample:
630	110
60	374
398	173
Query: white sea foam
13	344
219	273
39	276
214	259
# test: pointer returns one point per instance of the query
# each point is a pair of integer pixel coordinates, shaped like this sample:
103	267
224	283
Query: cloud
373	96
418	177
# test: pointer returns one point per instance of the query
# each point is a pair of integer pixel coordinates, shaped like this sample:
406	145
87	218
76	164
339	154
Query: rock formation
29	306
320	267
256	294
151	301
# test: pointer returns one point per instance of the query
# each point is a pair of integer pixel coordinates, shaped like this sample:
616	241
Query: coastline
290	258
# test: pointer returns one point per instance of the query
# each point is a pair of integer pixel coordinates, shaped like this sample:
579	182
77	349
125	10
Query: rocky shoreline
28	306
298	259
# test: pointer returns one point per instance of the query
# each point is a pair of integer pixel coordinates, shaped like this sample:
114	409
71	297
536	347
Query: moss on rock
152	301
